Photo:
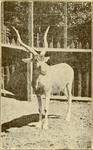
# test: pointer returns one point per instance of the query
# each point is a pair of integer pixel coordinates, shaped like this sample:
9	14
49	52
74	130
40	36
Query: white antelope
60	75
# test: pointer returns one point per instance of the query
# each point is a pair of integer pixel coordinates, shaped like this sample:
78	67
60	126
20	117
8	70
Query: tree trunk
65	25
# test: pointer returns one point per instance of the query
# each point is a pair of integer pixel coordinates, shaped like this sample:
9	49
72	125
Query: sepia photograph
46	74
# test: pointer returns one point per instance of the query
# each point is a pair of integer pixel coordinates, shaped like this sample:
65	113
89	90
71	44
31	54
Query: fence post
87	45
2	77
3	81
58	44
72	44
13	42
30	65
7	74
13	68
79	82
73	88
87	83
38	42
7	40
51	43
28	82
79	45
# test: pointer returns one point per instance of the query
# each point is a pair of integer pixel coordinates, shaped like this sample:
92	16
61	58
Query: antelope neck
44	71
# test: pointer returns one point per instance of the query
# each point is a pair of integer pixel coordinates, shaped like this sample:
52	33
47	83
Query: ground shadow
13	96
19	122
23	121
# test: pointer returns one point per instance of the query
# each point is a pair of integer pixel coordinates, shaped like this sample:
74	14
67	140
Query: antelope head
40	58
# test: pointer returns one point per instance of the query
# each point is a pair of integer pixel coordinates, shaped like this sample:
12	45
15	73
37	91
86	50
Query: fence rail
77	89
53	42
74	45
64	50
8	70
7	38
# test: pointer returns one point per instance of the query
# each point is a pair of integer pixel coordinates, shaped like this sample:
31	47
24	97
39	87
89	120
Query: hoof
39	125
68	118
45	126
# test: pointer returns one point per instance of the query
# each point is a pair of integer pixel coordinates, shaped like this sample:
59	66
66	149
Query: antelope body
52	76
59	75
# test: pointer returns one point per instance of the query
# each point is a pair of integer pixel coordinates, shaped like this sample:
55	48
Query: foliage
78	13
50	13
53	14
15	14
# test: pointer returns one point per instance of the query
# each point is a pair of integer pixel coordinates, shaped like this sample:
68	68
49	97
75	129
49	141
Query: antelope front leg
45	125
40	111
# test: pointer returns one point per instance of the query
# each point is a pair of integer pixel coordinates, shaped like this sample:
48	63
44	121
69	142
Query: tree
53	14
15	14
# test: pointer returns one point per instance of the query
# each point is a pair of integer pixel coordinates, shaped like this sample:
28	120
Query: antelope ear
46	59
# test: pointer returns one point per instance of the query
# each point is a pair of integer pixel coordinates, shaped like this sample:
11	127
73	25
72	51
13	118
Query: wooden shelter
56	53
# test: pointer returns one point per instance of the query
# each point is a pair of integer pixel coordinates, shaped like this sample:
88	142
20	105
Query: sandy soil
19	130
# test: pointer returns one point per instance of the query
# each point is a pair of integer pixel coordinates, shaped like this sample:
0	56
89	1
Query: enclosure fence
35	40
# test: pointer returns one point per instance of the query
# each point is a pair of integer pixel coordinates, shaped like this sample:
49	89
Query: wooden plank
14	47
73	90
7	74
38	41
64	1
32	36
28	82
79	98
30	65
64	50
63	98
48	49
13	68
92	58
2	77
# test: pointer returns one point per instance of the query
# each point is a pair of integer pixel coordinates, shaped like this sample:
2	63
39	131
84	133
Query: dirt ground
19	130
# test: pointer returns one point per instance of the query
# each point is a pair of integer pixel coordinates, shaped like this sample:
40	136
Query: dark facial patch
37	71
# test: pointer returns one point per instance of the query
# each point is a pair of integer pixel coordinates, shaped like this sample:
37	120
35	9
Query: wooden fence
6	72
79	88
7	38
72	43
78	85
